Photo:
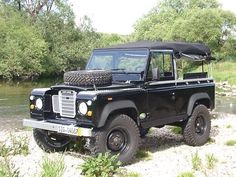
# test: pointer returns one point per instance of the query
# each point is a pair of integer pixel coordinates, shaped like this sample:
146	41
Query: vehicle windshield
119	61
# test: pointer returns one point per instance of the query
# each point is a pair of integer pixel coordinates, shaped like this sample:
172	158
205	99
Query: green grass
176	130
211	161
211	141
128	174
7	170
186	174
196	162
225	71
4	150
143	155
53	167
230	142
221	71
78	145
16	145
229	126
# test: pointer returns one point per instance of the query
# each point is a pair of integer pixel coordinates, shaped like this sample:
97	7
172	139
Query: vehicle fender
194	98
40	91
110	107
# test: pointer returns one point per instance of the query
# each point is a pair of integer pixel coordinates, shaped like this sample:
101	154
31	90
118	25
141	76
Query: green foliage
186	174
196	162
16	145
41	39
22	49
176	130
211	141
211	161
78	145
53	167
8	170
188	20
4	150
103	165
143	155
128	174
225	71
229	126
230	142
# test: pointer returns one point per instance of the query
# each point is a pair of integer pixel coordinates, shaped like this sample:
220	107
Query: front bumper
62	129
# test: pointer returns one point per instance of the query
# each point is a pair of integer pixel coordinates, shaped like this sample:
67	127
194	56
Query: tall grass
7	169
196	161
15	145
211	161
53	167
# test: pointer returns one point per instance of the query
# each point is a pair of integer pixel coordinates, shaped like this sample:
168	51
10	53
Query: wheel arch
198	98
126	107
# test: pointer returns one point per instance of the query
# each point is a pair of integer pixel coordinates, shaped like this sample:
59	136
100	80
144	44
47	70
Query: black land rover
124	91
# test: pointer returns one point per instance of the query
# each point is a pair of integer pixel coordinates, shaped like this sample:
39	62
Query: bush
102	165
53	167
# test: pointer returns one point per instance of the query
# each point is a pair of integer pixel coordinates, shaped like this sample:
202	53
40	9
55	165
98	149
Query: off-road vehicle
123	92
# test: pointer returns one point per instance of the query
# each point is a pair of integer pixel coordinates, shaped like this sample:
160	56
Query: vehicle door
161	88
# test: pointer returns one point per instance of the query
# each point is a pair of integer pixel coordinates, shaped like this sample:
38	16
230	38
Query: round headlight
39	103
83	108
31	97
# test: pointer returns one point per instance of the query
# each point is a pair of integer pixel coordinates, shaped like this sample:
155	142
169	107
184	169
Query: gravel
169	154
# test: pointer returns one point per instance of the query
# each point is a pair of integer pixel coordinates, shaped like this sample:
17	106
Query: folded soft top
179	48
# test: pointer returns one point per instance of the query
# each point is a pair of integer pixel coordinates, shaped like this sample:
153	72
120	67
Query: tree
188	20
22	49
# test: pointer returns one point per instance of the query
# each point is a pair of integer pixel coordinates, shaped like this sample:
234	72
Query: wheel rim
200	125
117	140
56	140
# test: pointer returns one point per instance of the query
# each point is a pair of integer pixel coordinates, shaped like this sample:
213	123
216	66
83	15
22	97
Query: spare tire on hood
88	78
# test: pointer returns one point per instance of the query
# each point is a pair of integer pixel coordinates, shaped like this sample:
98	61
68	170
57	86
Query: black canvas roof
179	48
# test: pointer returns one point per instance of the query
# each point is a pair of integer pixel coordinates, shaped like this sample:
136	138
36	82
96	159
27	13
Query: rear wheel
197	129
119	136
51	142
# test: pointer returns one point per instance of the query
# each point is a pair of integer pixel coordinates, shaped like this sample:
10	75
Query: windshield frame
122	72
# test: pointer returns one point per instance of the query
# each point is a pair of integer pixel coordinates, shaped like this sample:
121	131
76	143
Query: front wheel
50	141
119	136
196	132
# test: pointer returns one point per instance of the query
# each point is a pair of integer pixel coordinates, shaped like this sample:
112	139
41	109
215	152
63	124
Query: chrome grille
67	104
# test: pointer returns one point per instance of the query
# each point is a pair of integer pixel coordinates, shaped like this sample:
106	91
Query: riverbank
168	154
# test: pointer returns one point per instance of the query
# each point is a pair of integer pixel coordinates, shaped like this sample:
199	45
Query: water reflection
14	102
226	105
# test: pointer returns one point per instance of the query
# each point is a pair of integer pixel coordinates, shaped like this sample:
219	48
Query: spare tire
88	78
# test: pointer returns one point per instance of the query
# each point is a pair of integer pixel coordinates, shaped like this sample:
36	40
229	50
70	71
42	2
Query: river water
14	102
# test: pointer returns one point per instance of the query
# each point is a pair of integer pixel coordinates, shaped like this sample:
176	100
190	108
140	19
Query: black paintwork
163	102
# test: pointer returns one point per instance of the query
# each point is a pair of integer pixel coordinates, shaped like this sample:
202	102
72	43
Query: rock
170	155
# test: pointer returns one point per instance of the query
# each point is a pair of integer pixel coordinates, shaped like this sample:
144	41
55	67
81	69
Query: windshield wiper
118	69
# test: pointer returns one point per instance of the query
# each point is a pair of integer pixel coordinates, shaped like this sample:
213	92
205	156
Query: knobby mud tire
88	78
